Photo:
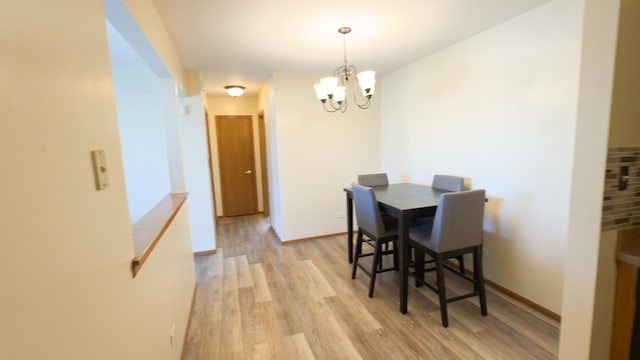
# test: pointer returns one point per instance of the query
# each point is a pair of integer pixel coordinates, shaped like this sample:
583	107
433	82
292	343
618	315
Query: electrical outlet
485	252
340	215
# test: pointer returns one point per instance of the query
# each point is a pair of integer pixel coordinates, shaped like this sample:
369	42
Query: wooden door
237	165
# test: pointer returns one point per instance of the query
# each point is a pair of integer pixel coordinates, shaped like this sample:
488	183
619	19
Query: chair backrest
458	220
367	210
448	182
373	179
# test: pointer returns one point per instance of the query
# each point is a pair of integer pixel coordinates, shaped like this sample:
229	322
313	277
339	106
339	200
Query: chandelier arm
366	104
367	99
330	110
333	104
343	106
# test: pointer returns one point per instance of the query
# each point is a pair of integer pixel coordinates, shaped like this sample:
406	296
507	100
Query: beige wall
317	155
243	105
148	20
498	109
66	248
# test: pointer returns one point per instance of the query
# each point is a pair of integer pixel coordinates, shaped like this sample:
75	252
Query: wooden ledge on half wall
149	229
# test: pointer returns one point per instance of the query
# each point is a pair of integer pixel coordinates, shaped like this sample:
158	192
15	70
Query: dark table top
406	196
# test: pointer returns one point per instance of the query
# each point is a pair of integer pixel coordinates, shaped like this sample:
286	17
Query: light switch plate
100	169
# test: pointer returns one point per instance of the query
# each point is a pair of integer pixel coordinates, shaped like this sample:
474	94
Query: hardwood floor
258	299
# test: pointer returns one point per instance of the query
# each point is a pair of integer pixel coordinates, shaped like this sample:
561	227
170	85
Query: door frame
210	164
263	162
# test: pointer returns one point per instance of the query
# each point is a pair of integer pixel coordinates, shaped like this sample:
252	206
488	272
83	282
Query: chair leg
376	258
357	254
479	279
380	261
461	264
396	261
419	266
442	291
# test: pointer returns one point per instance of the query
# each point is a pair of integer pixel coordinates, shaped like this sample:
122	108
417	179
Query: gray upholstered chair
448	182
374	231
377	179
456	230
373	179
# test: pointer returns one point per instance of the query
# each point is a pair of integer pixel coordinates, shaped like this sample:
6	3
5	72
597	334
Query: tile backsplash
621	208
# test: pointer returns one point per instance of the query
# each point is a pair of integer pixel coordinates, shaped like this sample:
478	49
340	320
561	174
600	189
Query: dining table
405	202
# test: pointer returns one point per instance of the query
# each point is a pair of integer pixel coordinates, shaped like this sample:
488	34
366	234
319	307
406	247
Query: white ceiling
244	41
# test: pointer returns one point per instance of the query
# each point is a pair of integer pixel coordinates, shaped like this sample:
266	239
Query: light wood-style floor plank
262	293
259	299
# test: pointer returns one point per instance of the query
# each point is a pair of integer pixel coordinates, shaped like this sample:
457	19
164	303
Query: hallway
256	298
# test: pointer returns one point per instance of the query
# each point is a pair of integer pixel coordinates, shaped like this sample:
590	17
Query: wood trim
210	162
186	332
148	230
624	311
206	252
537	307
289	242
262	136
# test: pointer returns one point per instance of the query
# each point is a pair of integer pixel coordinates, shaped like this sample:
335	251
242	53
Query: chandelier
333	91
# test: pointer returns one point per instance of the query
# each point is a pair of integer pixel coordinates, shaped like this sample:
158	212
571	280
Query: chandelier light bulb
330	85
321	92
367	82
339	94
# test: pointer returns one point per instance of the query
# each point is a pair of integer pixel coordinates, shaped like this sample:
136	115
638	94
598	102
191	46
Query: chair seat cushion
421	235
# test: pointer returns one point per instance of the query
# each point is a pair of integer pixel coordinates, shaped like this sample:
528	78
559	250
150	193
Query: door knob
248	172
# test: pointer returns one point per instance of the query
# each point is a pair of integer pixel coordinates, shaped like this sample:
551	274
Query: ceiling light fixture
334	90
234	90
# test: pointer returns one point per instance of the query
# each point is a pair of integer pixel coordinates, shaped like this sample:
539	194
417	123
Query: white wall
170	104
66	248
267	98
498	109
143	138
318	154
198	178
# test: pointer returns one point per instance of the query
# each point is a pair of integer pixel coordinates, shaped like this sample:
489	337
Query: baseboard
206	252
288	242
537	307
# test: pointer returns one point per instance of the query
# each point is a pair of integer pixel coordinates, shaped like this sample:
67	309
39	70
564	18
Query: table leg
350	227
405	254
